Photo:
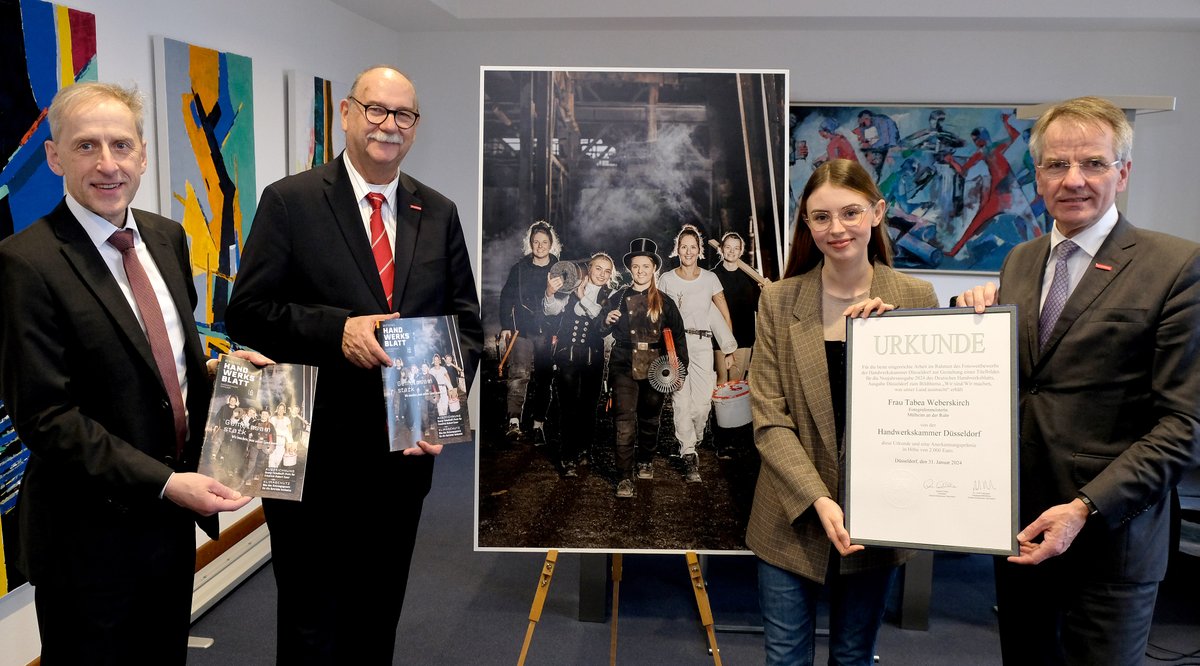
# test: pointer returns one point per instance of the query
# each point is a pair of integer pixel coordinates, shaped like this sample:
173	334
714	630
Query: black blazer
1111	406
307	266
81	385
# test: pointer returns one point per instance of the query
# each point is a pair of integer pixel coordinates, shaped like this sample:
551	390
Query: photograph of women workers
839	267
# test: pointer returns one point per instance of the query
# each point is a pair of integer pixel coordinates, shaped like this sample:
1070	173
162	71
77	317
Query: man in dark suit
312	287
109	390
1109	339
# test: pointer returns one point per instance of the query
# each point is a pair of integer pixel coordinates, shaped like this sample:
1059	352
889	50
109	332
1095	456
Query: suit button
1033	390
166	405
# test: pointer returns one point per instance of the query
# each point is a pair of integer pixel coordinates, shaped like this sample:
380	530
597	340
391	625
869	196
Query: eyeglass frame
1082	166
387	112
837	215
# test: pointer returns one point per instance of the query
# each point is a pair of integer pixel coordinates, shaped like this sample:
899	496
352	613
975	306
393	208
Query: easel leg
539	600
706	617
616	578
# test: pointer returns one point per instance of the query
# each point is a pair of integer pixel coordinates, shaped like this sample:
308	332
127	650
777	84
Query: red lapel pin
1103	267
414	207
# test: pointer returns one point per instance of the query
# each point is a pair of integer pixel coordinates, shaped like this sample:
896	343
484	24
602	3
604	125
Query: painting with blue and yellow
959	180
43	48
208	101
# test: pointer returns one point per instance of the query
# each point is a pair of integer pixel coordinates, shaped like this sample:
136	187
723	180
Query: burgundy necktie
156	330
380	247
1056	299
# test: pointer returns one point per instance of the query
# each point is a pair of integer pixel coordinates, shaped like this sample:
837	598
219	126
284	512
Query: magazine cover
256	440
426	387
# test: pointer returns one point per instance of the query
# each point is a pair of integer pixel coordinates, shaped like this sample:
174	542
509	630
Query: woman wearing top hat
638	322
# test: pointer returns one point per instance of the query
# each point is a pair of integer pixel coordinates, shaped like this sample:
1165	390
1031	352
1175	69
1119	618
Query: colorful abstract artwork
959	181
205	104
44	47
13	457
314	120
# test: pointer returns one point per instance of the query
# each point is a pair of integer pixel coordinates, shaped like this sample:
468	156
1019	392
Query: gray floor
472	608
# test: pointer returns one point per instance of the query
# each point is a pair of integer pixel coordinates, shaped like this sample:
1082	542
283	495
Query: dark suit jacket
794	426
307	266
81	385
1111	407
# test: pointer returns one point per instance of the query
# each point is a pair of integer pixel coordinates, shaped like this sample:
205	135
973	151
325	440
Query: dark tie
1059	291
380	248
156	329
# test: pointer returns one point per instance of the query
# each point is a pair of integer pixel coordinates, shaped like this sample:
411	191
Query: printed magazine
426	388
256	439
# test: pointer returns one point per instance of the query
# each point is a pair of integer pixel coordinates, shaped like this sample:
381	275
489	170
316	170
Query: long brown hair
848	174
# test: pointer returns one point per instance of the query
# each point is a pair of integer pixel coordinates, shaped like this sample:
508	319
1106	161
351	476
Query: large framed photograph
608	159
931	430
959	180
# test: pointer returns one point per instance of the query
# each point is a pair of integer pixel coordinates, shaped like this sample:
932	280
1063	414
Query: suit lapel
808	342
82	254
1114	253
1027	297
408	226
339	194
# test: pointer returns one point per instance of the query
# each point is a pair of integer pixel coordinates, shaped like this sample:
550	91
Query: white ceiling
466	15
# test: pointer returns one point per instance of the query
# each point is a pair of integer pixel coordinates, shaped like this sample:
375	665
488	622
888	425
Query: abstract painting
314	121
959	180
205	105
44	48
606	157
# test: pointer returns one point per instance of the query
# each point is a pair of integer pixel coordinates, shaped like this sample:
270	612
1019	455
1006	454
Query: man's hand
980	297
1058	526
423	448
359	343
203	494
834	522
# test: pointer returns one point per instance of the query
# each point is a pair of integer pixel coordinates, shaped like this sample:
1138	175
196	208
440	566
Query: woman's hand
833	520
864	309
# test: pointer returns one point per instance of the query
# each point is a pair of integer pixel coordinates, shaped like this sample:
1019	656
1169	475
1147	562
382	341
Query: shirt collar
1090	239
98	228
362	187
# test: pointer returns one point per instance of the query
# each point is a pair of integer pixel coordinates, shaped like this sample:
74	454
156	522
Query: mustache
383	137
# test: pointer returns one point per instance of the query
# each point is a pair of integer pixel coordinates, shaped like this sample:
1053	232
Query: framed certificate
931	430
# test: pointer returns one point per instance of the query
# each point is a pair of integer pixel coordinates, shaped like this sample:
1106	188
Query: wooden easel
698	587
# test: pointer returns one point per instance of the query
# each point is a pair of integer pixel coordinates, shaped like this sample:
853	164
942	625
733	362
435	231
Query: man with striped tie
332	252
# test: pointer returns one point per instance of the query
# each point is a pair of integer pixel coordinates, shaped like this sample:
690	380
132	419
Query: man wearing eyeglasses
1110	401
332	252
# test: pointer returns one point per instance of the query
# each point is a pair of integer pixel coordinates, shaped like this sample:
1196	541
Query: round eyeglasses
850	216
1058	169
377	115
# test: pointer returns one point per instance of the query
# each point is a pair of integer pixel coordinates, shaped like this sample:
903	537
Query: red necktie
156	330
380	248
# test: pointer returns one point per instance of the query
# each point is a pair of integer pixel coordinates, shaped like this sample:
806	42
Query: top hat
642	247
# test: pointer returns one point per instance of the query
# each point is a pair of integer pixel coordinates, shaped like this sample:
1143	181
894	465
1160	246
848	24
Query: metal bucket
731	402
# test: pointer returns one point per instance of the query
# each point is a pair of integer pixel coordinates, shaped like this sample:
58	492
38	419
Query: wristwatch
1092	510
